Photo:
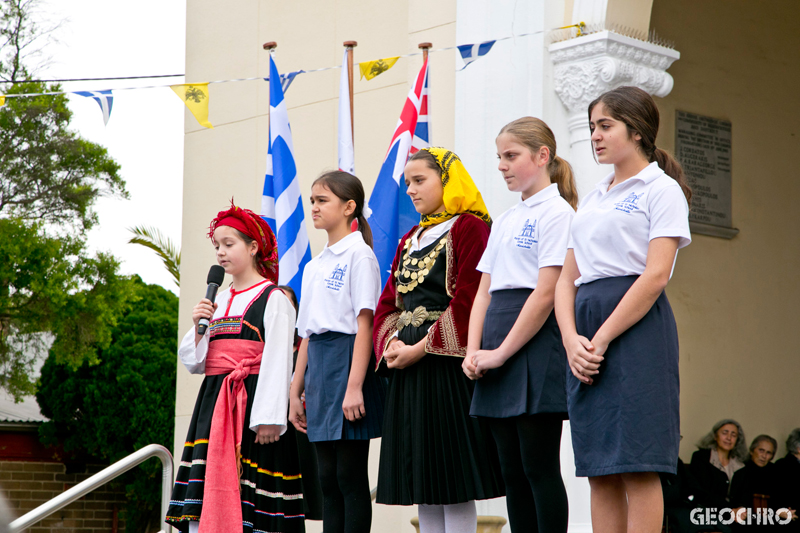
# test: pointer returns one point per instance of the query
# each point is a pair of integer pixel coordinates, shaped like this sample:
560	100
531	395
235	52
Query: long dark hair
534	133
348	187
637	110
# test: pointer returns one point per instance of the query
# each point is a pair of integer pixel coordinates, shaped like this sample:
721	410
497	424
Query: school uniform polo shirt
337	284
531	235
613	228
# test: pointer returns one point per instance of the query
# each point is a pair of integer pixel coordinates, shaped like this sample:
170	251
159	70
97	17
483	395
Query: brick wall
26	485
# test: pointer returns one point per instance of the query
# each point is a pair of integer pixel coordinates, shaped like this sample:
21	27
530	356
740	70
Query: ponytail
674	170
347	187
562	175
534	133
363	227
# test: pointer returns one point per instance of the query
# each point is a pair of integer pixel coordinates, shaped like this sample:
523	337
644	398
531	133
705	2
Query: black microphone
215	276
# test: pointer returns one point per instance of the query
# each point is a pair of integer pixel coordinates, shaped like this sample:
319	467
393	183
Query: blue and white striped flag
104	99
287	79
471	52
281	205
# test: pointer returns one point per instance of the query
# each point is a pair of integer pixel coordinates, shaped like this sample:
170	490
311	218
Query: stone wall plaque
703	148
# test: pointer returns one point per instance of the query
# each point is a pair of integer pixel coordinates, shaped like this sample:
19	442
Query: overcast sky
145	133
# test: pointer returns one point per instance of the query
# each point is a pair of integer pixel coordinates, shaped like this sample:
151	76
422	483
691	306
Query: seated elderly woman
721	453
756	485
787	470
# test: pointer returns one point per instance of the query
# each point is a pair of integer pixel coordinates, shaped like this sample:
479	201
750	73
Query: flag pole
349	45
270	47
425	47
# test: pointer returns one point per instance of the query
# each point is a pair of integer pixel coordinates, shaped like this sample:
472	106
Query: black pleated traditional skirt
432	451
532	380
628	420
271	486
330	357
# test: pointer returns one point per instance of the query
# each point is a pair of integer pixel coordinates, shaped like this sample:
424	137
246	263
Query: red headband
257	229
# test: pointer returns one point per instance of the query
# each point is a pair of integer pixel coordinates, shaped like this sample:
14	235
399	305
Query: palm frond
153	239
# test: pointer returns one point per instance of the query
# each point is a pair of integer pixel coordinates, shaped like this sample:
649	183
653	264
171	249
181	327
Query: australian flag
393	214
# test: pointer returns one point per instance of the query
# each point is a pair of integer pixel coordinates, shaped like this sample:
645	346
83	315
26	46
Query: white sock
461	518
194	526
456	518
431	518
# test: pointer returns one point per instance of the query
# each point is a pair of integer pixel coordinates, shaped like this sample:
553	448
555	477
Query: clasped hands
400	355
585	356
476	364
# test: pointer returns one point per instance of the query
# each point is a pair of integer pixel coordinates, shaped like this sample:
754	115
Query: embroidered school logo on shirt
527	237
628	205
336	280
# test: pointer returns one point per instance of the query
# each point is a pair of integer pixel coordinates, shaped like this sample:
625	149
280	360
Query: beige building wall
224	41
737	302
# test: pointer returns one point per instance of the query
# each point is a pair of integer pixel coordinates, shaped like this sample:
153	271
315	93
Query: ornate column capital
588	66
585	67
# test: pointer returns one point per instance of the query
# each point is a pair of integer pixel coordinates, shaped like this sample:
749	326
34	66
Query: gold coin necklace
412	271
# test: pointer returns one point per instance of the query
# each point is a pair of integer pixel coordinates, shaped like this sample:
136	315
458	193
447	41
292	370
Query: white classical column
585	67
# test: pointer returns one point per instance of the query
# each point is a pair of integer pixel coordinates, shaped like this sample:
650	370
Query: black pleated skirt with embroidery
271	484
432	451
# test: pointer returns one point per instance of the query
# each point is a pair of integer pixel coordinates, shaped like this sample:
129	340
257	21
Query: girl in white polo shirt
514	349
344	399
617	325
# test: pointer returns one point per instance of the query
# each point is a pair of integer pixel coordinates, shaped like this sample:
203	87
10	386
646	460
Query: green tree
124	402
48	284
50	179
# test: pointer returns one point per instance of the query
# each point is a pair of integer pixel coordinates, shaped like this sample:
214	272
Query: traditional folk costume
432	452
246	355
628	420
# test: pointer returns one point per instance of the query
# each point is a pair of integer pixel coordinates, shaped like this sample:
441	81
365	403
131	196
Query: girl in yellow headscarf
432	453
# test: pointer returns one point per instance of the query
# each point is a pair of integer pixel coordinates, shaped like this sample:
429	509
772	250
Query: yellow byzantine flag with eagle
370	69
195	96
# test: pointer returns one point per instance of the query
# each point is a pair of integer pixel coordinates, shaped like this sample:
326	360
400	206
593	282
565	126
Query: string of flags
196	95
104	99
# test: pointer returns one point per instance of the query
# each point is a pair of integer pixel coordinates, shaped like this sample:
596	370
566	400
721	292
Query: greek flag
471	52
281	206
104	99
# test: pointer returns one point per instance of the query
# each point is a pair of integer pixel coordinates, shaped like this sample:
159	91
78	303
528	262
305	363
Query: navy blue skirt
628	420
330	356
532	380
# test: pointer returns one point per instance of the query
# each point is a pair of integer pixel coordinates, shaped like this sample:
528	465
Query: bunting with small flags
370	69
195	96
104	99
287	79
471	52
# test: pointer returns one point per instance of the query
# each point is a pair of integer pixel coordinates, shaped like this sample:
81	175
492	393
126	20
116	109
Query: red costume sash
222	504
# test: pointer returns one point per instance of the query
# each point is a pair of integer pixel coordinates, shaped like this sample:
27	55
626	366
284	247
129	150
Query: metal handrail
101	478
